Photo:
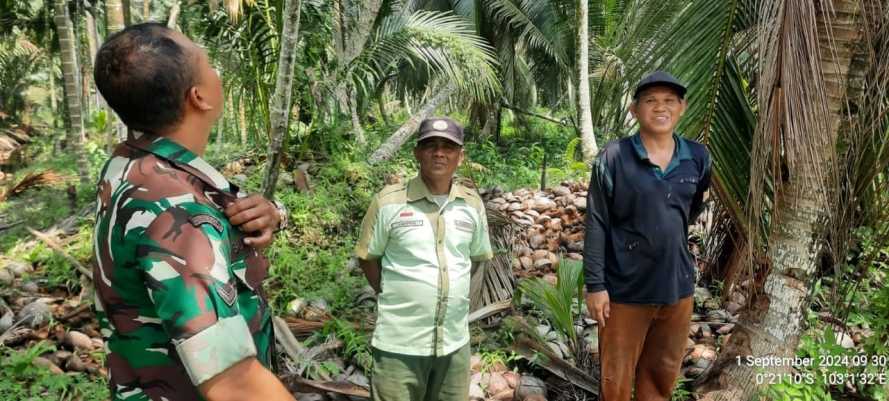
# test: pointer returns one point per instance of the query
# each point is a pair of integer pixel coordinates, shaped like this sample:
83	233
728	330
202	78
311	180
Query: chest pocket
460	228
411	229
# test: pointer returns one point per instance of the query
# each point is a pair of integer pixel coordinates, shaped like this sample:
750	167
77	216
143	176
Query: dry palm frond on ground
30	181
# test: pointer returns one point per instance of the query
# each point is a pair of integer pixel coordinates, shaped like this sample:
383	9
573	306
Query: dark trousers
642	346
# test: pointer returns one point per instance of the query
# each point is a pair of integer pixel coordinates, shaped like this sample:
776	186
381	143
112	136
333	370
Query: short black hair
144	75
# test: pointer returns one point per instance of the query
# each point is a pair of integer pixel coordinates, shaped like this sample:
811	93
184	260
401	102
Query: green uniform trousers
398	377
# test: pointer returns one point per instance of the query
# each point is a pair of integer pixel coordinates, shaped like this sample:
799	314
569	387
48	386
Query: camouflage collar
416	189
183	158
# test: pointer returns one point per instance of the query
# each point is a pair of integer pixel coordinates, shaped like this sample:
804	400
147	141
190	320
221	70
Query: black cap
660	78
441	127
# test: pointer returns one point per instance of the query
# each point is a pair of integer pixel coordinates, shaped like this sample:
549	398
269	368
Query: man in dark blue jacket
644	192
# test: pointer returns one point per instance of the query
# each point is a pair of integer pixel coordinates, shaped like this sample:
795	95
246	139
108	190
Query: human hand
598	306
254	215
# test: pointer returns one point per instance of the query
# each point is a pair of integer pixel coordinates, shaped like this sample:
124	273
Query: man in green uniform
419	241
178	284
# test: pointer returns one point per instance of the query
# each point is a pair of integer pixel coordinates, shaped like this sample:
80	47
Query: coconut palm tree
71	76
282	96
584	115
770	94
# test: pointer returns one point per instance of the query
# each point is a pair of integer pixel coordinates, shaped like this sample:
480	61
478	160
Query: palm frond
18	61
444	43
622	51
537	23
792	136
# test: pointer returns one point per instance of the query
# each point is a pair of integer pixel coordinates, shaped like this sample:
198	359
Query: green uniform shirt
426	253
179	296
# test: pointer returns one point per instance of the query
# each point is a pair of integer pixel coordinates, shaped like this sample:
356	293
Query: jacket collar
183	158
680	151
416	190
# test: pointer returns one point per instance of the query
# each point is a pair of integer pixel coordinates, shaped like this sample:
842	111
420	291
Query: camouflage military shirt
179	296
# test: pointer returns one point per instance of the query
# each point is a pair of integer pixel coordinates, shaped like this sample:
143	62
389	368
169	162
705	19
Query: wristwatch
283	220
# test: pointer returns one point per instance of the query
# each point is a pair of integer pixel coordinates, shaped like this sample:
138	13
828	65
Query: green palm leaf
560	304
443	43
538	24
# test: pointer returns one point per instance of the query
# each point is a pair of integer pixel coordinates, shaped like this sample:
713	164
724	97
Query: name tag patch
688	180
463	225
408	223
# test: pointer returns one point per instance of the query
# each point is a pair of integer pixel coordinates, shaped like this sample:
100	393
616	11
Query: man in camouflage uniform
179	284
420	243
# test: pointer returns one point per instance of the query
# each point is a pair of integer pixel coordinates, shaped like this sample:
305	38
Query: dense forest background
322	98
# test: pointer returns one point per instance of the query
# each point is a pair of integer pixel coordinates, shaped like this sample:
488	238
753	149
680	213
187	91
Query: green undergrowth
22	380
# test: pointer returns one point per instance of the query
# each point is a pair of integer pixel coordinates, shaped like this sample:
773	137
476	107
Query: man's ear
462	157
684	107
194	98
633	105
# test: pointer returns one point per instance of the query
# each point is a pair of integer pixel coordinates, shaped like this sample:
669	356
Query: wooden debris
490	310
344	388
544	357
50	242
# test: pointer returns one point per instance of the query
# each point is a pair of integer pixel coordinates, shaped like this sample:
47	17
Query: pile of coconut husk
551	224
495	382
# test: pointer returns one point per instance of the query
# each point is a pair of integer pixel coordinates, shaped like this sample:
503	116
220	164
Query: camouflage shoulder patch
205	218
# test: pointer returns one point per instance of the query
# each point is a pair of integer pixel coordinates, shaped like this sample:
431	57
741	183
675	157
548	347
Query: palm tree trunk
114	22
136	8
584	114
279	103
174	15
242	120
71	75
92	40
352	28
775	323
114	16
391	146
356	120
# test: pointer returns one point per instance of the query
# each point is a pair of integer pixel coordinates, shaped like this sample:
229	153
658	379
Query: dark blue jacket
637	221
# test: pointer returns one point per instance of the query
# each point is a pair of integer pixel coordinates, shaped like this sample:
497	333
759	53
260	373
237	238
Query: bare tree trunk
71	76
584	114
146	10
774	324
391	146
174	15
279	103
